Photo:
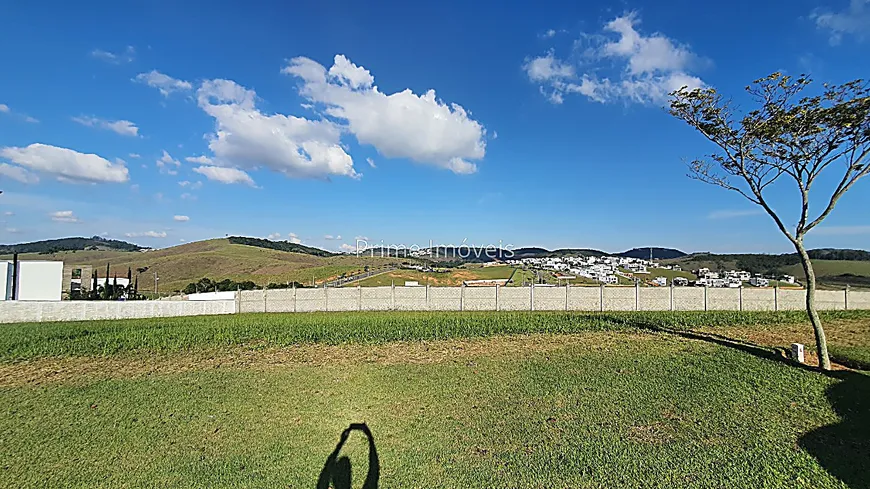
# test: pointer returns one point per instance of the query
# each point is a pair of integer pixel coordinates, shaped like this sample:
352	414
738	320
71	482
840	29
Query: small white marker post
797	352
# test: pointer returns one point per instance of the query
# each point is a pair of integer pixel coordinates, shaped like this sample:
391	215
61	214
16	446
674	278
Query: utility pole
156	278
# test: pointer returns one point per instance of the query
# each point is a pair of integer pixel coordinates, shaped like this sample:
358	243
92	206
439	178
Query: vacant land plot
453	400
452	277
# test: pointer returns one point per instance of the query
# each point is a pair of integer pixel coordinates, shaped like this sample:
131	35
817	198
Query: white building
660	281
5	280
759	282
788	278
680	281
37	280
733	282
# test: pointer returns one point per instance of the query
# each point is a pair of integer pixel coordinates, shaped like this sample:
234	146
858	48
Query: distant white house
788	278
739	275
680	281
660	281
759	282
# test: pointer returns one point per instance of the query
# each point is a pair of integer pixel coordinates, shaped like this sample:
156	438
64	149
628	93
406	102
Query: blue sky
495	122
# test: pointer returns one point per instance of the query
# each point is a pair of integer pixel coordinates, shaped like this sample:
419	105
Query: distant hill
657	253
835	254
70	244
217	259
279	245
833	267
481	254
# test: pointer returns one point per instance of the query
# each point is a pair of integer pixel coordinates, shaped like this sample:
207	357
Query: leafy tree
207	285
790	136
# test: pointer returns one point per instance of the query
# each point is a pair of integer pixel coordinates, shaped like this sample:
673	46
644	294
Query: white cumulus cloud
547	67
403	124
202	160
167	164
181	218
648	67
225	175
122	127
293	238
274	236
63	216
5	109
17	173
126	56
164	83
331	237
246	138
854	20
146	234
66	164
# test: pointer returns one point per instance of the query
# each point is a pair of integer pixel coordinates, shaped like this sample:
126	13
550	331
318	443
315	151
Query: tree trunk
821	341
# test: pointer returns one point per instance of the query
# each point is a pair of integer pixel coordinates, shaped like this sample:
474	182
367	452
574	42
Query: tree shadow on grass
337	471
843	448
769	353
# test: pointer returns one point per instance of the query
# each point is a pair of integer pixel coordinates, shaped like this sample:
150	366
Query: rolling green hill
70	244
217	259
836	273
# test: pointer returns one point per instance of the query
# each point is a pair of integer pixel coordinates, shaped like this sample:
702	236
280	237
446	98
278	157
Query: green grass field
546	399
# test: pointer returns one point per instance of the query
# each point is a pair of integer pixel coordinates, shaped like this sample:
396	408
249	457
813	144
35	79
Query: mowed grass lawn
452	399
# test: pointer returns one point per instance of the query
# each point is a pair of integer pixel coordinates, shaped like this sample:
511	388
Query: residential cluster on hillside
734	278
608	269
604	269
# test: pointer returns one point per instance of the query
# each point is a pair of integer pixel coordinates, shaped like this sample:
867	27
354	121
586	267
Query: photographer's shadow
338	470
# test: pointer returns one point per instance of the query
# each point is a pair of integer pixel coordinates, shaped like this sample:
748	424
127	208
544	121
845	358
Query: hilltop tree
790	137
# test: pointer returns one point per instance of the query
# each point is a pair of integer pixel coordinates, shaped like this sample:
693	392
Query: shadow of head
843	448
337	471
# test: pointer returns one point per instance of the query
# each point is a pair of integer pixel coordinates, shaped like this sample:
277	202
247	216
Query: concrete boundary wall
445	299
34	312
545	299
